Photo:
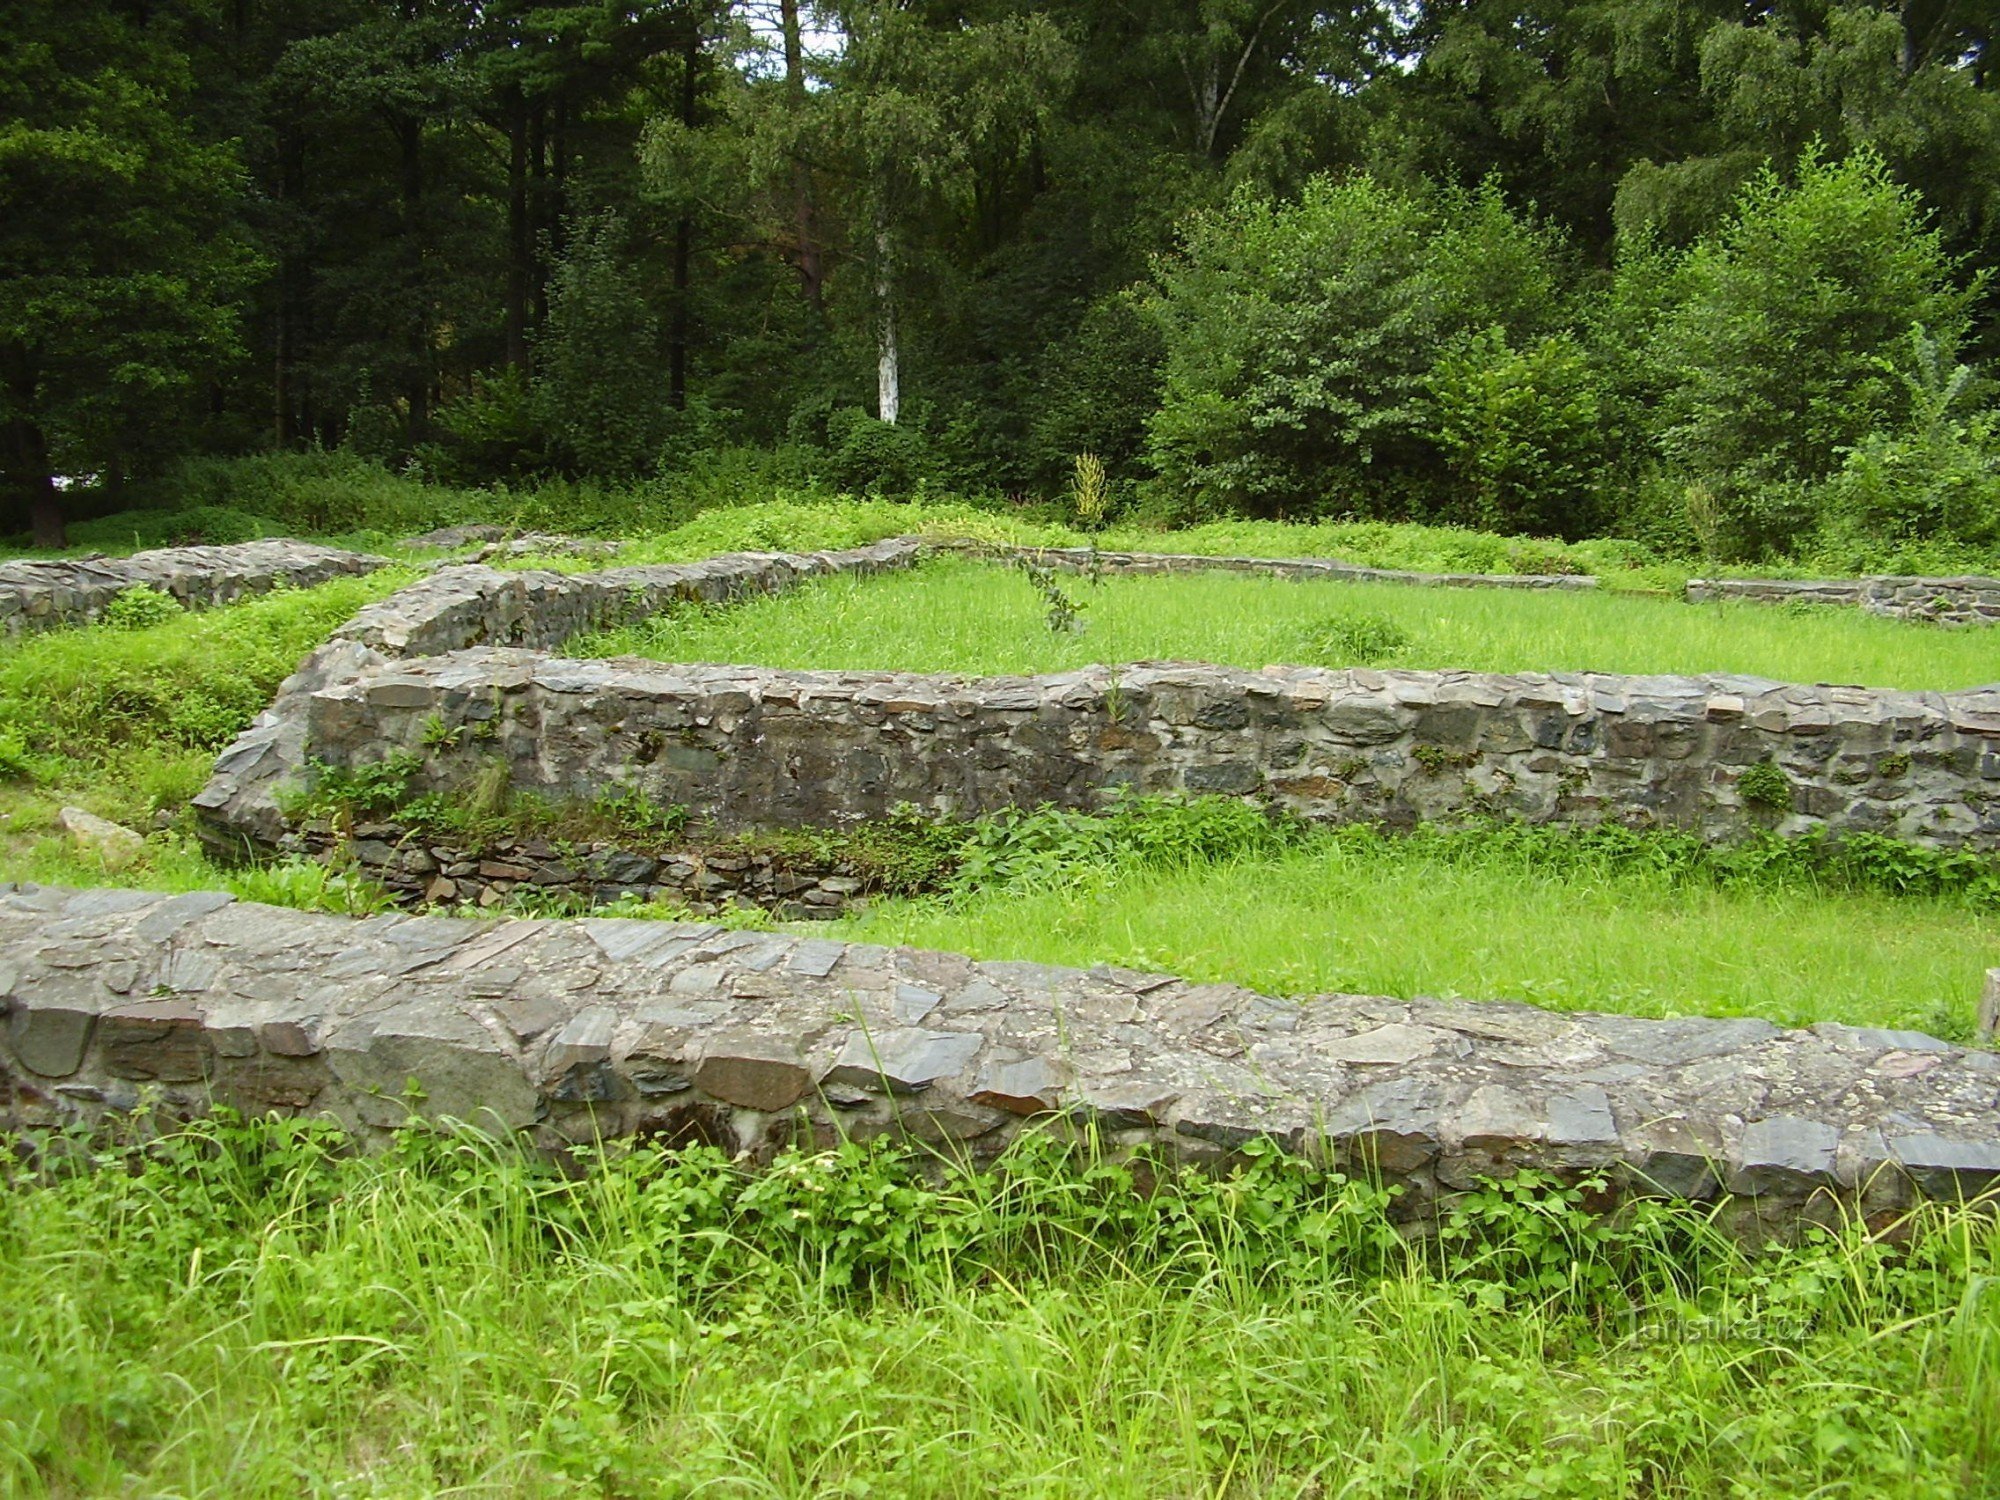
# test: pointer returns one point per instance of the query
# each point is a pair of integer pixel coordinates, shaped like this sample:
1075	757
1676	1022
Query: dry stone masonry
749	748
1301	569
1939	601
565	1032
455	669
47	595
456	607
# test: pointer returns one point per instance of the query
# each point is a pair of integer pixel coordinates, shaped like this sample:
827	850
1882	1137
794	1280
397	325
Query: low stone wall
457	607
571	1031
451	669
46	595
418	869
1939	601
1303	569
747	747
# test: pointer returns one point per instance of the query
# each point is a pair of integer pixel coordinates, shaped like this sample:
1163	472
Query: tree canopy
1554	267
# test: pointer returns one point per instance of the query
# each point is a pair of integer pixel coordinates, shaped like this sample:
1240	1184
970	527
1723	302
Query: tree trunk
45	516
27	457
812	271
284	333
538	207
888	364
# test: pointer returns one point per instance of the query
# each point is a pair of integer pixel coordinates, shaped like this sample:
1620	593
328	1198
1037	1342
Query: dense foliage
1711	280
248	1310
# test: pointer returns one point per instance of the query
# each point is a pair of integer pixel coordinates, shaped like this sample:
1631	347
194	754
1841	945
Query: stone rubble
570	1031
45	595
416	869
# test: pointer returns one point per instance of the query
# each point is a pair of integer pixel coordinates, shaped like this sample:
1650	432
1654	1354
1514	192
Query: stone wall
76	591
1939	601
417	868
457	607
1302	569
453	668
747	747
570	1031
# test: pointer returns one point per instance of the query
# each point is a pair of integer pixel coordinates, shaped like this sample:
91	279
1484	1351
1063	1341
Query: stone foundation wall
749	748
458	607
1303	569
47	595
1938	601
419	870
566	1032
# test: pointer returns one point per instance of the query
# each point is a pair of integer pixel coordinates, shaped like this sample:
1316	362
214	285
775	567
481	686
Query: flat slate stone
567	1030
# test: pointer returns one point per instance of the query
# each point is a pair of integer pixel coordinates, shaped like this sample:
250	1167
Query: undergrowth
234	1307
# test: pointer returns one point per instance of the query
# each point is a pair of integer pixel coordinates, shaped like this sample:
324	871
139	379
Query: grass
237	1310
1485	918
242	1311
127	722
951	615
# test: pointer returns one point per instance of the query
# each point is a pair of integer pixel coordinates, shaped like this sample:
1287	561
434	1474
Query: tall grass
242	1311
956	616
1493	919
127	721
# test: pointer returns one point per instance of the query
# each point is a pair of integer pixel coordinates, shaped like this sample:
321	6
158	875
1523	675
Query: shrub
867	456
600	388
1936	479
1520	428
1788	347
138	607
1300	337
496	430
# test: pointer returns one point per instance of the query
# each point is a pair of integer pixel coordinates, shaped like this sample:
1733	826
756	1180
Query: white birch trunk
888	365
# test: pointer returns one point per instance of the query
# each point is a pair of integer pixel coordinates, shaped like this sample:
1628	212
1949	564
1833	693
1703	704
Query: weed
1064	616
1766	785
1089	495
1043	1311
1354	639
139	608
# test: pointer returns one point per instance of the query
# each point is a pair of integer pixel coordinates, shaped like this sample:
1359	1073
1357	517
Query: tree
119	254
1300	340
1793	337
918	105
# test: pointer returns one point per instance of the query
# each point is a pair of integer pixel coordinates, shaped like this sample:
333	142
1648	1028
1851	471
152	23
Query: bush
1098	389
1520	428
868	456
1936	480
601	390
1300	339
1792	343
494	431
137	608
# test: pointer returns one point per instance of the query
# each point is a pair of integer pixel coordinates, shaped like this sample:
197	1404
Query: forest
1713	277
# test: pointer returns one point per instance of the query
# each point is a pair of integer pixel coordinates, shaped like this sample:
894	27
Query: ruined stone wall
65	591
416	867
1301	569
458	607
1938	601
567	1032
748	747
